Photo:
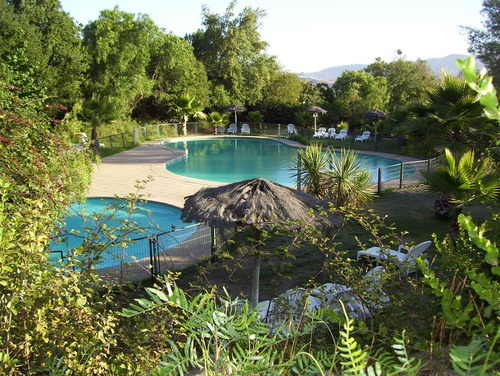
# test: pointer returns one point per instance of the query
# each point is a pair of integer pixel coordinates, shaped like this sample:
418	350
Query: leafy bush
299	138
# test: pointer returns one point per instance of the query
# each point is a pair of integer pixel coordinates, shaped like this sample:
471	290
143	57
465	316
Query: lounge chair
320	133
404	258
233	128
331	133
289	306
342	135
291	129
221	129
245	128
364	137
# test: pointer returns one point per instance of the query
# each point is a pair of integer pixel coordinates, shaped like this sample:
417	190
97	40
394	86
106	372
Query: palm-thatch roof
259	202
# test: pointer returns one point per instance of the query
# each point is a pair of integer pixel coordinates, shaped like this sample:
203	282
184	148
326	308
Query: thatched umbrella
236	108
257	202
374	116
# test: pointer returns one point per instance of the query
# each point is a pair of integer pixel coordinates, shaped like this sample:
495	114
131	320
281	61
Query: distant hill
329	75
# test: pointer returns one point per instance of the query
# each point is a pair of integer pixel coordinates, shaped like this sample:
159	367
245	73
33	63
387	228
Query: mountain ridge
437	64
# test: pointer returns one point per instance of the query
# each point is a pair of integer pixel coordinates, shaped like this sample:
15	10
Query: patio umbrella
257	202
316	110
375	115
236	108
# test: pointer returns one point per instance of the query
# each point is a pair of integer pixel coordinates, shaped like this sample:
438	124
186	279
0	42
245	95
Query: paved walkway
118	174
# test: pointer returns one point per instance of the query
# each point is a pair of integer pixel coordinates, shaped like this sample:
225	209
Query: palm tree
97	112
218	119
348	180
188	106
463	181
449	117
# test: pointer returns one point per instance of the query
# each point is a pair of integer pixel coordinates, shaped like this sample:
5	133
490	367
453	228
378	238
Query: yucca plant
348	179
311	166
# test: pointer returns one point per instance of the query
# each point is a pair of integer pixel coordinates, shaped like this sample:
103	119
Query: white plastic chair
245	128
331	132
233	128
364	137
342	135
404	258
291	129
320	133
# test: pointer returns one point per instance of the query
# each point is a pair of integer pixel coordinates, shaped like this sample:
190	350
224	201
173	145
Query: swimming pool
231	159
106	222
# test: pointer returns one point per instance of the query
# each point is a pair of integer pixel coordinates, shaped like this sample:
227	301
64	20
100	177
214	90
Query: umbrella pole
256	271
255	279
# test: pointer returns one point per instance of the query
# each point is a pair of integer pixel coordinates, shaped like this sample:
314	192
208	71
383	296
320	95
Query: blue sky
310	35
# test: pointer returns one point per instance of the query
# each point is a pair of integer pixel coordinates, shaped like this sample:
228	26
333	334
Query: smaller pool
107	222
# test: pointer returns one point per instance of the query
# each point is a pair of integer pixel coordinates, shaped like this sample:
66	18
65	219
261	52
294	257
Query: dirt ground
409	209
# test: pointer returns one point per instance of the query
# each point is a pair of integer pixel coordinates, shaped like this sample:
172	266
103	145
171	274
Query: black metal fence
403	174
150	256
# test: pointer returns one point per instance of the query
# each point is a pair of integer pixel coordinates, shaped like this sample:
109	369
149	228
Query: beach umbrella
236	108
257	202
375	115
316	110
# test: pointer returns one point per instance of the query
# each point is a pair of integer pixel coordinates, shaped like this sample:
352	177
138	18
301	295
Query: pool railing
150	256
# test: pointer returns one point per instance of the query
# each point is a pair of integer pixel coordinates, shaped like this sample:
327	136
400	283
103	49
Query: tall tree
119	47
175	71
50	43
406	80
233	54
356	93
485	44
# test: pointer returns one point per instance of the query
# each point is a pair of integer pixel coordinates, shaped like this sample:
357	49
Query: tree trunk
454	227
184	126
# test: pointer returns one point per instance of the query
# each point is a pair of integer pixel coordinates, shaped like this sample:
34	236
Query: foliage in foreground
223	336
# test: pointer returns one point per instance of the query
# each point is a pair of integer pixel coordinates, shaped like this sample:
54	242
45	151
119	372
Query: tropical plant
348	180
343	179
97	112
218	119
310	167
187	106
463	181
449	117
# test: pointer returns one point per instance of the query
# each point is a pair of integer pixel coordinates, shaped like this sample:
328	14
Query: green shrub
299	138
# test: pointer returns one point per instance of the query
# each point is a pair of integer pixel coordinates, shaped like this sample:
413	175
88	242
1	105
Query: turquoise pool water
229	159
97	217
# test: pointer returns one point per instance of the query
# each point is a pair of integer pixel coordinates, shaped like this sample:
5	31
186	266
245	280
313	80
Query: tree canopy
485	44
231	49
